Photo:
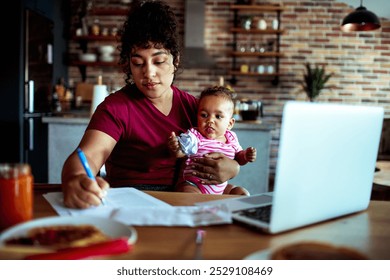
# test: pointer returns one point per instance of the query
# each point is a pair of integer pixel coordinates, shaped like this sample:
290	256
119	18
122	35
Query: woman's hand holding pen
83	190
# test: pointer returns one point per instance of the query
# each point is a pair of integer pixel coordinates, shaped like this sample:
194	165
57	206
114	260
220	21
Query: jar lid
14	170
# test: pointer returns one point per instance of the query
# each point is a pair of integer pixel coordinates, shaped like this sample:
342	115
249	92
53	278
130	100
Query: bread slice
61	236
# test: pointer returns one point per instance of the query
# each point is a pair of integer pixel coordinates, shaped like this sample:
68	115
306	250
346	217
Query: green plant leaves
314	80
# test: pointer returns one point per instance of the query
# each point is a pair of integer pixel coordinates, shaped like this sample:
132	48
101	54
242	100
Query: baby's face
215	117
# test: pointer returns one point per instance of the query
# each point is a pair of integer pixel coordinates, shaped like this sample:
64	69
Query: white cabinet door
63	140
254	175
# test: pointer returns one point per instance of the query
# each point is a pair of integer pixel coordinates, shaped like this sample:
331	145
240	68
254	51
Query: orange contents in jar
16	194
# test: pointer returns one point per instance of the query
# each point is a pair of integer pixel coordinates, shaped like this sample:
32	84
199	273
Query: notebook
325	167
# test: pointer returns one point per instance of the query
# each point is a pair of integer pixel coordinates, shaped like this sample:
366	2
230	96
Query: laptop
325	167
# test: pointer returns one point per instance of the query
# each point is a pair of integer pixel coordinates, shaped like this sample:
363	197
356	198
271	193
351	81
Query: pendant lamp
360	20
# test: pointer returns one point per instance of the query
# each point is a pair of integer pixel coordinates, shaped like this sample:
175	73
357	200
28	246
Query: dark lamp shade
360	20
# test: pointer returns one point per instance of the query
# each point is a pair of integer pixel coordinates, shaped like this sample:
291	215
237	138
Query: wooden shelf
94	64
254	74
257	8
256	54
256	31
108	12
85	40
95	38
243	12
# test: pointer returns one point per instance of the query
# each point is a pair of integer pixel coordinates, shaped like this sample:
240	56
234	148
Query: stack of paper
133	207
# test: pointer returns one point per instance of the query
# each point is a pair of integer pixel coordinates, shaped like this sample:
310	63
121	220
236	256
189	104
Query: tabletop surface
367	231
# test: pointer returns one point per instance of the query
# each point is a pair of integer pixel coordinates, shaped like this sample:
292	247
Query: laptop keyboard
262	213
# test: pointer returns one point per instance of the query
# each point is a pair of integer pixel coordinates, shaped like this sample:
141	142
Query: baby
213	134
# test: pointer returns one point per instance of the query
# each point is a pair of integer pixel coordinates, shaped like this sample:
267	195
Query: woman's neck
164	102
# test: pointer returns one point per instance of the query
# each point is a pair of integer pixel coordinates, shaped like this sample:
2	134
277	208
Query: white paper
116	198
133	207
175	216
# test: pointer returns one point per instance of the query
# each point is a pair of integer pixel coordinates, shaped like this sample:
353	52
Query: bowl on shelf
106	58
106	49
87	57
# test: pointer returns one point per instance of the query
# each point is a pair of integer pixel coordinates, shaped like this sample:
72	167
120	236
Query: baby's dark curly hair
148	24
221	91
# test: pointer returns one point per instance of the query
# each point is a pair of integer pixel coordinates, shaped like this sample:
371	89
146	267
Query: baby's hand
250	154
174	145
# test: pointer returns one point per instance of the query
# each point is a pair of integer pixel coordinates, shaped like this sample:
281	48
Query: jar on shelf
246	23
262	24
275	24
95	27
114	31
260	69
244	68
104	31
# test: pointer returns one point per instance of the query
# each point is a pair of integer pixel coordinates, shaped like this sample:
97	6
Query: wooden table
368	232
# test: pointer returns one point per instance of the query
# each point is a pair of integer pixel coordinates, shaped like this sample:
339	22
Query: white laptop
325	167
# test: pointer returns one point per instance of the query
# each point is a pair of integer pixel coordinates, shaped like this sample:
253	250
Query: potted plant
315	79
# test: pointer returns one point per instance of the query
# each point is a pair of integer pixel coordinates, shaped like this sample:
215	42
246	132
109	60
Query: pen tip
200	233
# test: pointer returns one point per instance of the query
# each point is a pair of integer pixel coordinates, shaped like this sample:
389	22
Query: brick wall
360	61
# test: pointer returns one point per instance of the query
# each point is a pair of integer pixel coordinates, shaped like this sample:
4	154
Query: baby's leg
232	189
187	187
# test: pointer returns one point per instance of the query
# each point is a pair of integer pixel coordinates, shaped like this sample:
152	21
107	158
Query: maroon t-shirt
141	155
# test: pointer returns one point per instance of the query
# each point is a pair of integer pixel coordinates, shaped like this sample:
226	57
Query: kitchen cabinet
64	135
256	41
254	175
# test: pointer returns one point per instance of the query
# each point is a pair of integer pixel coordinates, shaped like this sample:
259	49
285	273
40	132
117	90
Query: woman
129	129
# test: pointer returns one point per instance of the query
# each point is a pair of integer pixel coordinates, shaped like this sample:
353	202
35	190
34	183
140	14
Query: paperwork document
133	207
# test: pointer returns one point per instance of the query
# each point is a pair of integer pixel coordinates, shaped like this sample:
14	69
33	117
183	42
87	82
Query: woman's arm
215	168
79	190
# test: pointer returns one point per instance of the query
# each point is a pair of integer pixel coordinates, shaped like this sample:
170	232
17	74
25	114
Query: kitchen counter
66	130
83	118
68	118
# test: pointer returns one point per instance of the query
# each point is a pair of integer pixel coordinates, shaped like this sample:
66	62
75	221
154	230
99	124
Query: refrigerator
29	68
38	85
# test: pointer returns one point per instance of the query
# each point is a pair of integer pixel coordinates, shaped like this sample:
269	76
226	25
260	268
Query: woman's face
152	70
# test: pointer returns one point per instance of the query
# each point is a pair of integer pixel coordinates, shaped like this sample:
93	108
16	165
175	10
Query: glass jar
16	194
95	28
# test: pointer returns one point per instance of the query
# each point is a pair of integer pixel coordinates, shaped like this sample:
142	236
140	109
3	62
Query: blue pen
85	164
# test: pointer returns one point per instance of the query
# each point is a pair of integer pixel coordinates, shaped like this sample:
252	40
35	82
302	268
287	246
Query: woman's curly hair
148	24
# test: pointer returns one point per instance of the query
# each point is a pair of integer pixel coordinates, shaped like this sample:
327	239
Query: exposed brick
360	60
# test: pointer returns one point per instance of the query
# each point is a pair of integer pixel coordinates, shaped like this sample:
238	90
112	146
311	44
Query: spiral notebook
325	167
